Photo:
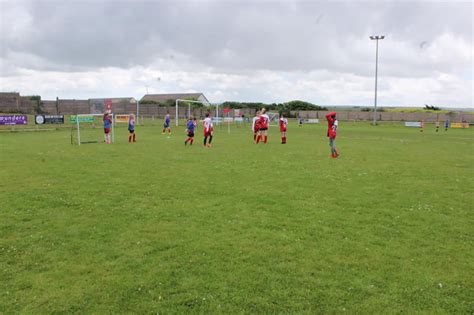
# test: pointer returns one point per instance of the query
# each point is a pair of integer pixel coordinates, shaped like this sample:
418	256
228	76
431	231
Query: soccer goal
89	128
184	103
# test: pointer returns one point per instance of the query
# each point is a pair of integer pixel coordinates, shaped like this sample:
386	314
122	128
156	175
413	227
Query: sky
248	51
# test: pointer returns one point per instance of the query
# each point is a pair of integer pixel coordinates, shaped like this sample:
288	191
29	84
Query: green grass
239	228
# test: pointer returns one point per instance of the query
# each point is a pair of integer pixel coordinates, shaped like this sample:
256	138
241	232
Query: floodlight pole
376	38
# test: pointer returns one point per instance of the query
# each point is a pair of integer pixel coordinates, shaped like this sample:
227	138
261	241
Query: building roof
114	99
175	96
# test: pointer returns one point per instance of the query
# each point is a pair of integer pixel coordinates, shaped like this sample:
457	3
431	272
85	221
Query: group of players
191	125
260	125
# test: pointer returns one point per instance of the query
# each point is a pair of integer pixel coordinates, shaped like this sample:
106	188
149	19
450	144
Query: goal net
186	107
89	128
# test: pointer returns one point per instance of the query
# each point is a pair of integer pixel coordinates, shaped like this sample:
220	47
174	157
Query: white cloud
270	51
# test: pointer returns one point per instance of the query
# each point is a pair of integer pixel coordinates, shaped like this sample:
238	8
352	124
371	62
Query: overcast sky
269	51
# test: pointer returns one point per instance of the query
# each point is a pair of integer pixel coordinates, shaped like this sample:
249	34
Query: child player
263	121
166	124
190	130
256	126
107	123
208	129
283	124
131	128
332	130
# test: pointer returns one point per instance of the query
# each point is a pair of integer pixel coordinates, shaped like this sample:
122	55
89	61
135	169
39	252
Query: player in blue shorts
131	128
166	125
190	130
107	124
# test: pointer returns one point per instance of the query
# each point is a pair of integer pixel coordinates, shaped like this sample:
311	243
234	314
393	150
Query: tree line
284	108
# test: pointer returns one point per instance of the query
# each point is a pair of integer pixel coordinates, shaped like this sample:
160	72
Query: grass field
158	227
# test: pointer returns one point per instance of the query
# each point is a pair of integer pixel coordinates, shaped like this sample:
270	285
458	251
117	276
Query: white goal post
189	107
85	120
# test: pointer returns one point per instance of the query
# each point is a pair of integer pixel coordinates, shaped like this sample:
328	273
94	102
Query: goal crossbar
189	107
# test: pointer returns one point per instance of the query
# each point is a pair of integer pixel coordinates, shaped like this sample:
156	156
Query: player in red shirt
263	122
256	126
332	131
283	124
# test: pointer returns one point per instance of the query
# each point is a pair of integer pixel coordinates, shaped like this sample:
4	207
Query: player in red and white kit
263	121
332	130
256	126
208	130
283	124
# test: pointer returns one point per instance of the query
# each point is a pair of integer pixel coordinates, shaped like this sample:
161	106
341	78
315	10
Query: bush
39	105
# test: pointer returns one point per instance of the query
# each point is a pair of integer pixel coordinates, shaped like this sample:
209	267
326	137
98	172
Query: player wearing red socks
256	126
208	130
167	124
283	124
190	130
263	122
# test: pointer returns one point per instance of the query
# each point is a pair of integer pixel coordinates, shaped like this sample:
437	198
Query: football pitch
155	226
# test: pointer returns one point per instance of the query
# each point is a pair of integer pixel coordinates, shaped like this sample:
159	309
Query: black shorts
131	130
263	129
190	134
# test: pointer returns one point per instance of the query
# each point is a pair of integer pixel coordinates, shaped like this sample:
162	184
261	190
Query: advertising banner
73	119
460	125
49	119
416	124
13	119
121	118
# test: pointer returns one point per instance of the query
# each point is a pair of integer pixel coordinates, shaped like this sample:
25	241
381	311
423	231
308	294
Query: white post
138	110
78	132
189	107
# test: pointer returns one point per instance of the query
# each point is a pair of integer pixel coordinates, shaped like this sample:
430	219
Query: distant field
157	227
